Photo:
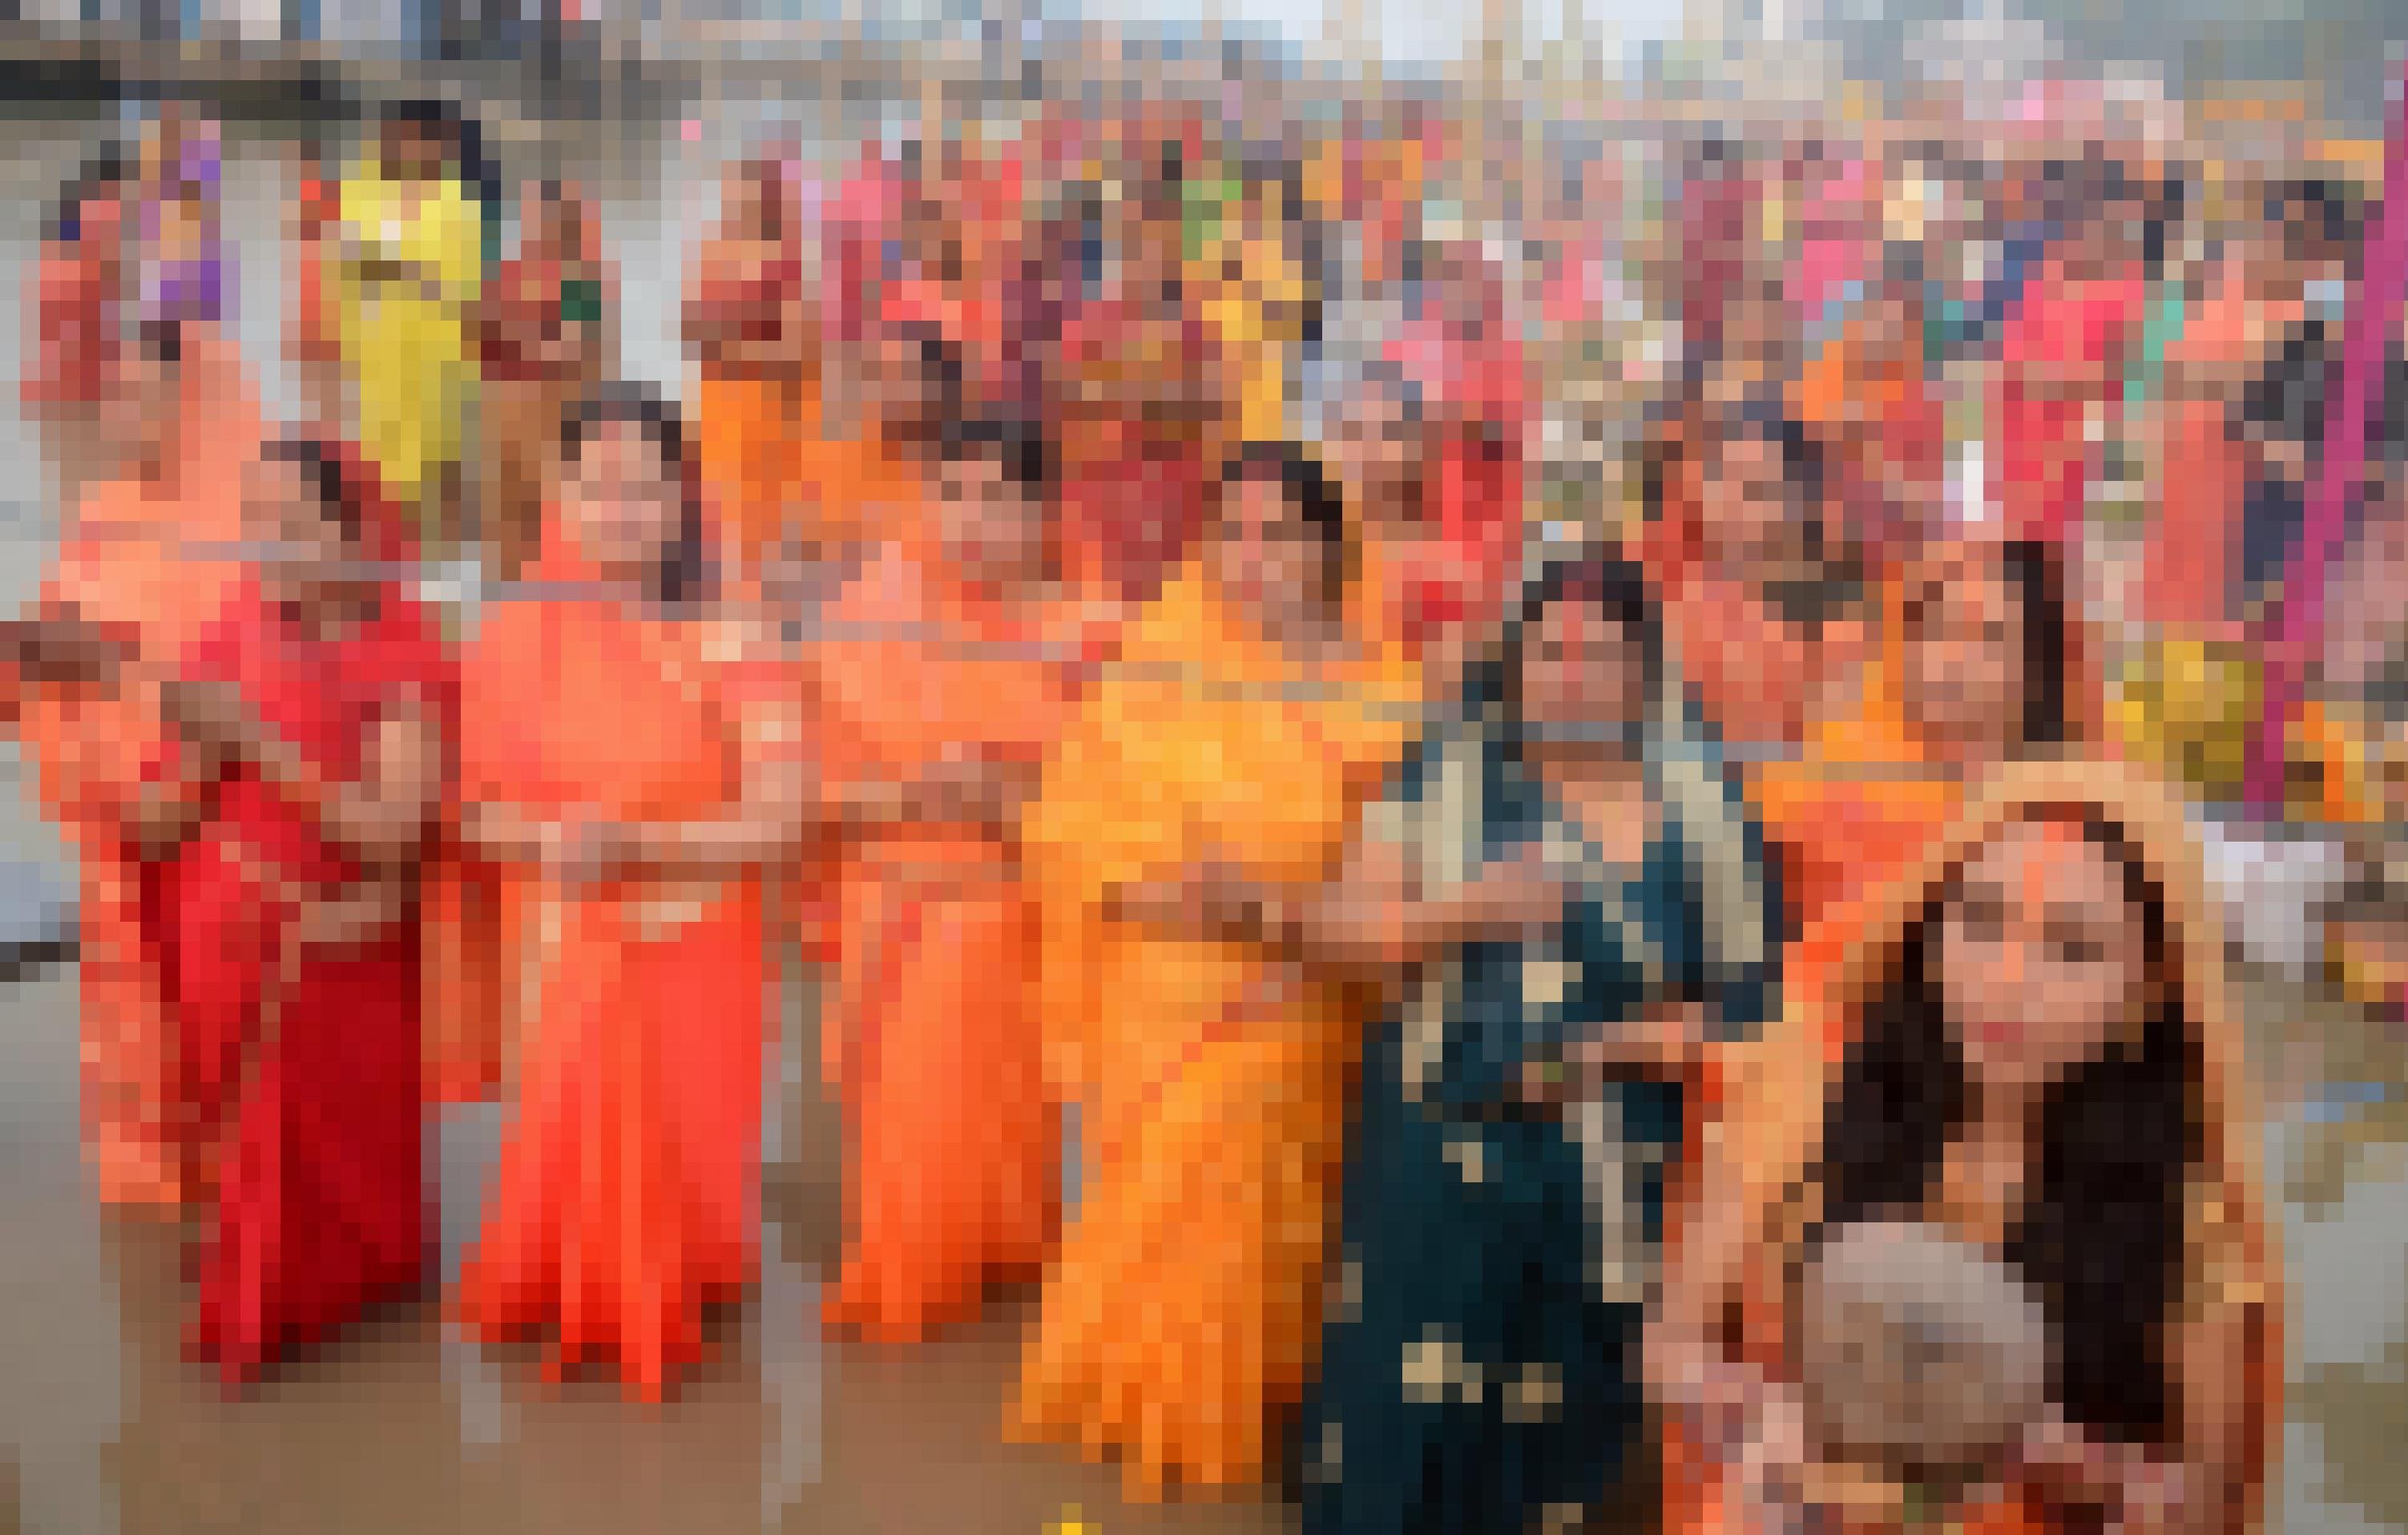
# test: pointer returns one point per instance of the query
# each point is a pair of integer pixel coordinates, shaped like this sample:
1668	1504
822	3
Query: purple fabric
2367	329
190	289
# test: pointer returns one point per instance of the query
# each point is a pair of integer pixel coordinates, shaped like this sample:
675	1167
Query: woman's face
904	393
412	152
141	407
1746	497
1264	555
99	219
1962	678
992	529
621	502
2041	957
551	222
280	500
1580	671
1374	445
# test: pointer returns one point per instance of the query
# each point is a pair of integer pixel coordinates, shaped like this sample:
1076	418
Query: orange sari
1864	798
931	1035
1778	1092
127	561
1182	1317
627	1196
770	472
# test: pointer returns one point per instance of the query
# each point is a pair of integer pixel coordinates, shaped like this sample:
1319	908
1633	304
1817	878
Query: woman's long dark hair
2035	582
321	466
2101	1238
682	575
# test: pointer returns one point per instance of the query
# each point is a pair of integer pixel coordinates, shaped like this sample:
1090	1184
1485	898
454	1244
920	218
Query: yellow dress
413	260
1185	1306
1253	290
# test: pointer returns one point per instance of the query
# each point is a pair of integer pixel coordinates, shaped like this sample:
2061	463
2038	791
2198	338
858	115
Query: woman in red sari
1143	421
631	804
75	286
311	719
2060	368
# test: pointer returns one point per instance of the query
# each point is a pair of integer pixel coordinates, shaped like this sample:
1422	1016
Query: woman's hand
507	834
1771	1463
63	650
592	852
356	915
1209	899
209	715
2140	1494
1665	1041
1515	899
2156	1498
977	791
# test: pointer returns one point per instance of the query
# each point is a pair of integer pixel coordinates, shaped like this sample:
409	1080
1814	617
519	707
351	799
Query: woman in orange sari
631	806
2027	1050
756	385
941	690
145	563
1236	736
1977	664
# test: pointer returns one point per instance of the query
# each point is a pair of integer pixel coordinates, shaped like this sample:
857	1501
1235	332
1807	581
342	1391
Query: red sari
2062	352
70	305
308	1057
1137	470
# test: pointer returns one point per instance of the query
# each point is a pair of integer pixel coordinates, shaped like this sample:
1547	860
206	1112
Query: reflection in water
792	1360
2359	1413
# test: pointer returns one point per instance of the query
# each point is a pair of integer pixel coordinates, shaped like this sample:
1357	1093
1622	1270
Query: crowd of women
1491	960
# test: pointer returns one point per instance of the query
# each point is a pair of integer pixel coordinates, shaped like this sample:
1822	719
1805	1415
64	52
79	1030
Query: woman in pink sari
2061	361
1470	362
298	796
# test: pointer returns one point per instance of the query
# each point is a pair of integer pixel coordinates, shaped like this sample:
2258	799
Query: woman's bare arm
1372	917
779	808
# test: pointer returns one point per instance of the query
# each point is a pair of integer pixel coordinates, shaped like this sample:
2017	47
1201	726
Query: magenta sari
302	1066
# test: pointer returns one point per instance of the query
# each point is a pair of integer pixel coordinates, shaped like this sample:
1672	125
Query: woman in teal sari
1583	911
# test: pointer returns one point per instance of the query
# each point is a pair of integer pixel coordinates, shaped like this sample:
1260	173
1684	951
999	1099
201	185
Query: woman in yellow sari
1234	741
413	237
2028	1049
1256	297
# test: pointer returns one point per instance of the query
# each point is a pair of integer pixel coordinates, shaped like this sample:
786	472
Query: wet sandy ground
103	1428
399	1431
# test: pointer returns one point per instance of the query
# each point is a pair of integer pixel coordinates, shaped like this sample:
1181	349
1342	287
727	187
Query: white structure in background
1988	53
1777	55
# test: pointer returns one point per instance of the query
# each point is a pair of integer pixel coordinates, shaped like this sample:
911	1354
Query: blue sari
1480	1360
